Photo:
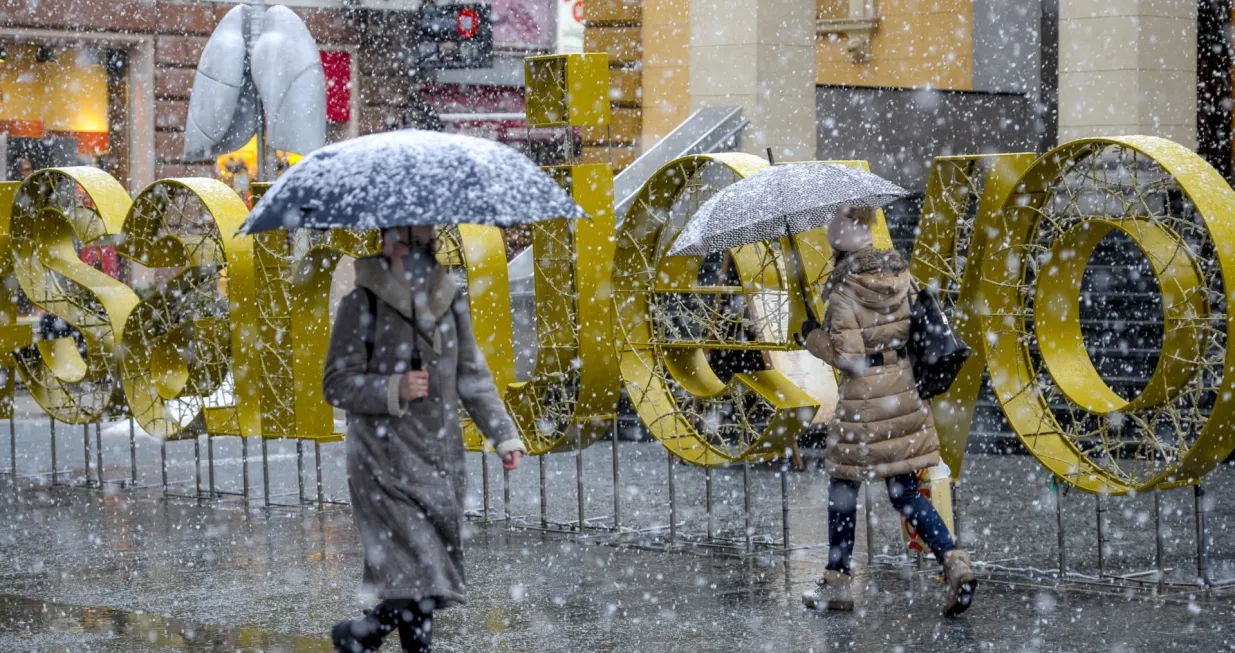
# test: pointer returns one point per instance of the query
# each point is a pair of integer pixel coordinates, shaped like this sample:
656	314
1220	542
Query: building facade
897	82
115	78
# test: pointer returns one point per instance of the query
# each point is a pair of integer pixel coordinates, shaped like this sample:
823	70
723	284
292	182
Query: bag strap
370	340
371	333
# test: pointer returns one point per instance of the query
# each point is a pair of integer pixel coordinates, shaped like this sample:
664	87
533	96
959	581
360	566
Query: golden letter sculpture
294	327
76	379
480	252
232	338
572	396
187	371
1177	211
947	255
669	324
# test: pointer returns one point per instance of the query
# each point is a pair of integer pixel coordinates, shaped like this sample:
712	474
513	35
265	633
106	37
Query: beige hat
851	229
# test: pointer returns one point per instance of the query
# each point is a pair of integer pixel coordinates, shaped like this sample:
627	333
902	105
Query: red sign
577	10
103	258
468	22
338	69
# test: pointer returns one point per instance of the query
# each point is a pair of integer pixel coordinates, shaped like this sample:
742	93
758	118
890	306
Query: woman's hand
415	385
511	460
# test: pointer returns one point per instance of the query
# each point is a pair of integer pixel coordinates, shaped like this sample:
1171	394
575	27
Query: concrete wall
757	55
1128	67
1007	46
899	131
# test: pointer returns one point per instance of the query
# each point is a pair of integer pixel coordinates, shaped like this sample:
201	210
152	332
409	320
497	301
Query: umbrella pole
799	273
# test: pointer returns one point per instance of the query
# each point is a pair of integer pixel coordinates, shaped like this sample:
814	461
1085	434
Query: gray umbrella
408	178
777	202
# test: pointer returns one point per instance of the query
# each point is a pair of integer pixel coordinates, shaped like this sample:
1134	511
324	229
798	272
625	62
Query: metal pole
255	31
210	463
673	503
544	495
484	480
784	504
1101	534
244	467
1159	545
317	456
55	469
300	469
13	442
197	467
746	503
506	495
956	514
133	450
85	448
1202	535
707	502
579	472
98	451
1063	552
163	458
265	475
870	526
617	481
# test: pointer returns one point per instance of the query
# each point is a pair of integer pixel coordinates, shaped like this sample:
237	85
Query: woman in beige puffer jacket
882	429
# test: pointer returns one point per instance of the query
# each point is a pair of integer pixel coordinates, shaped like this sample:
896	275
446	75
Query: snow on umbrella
780	201
407	178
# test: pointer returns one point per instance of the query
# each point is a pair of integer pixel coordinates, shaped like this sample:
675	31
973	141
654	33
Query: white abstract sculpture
239	77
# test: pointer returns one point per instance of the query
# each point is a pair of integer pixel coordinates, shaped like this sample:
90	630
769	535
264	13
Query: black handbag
937	352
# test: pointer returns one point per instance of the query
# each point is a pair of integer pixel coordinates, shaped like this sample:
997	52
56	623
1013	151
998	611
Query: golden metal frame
274	336
54	212
652	365
1012	369
174	357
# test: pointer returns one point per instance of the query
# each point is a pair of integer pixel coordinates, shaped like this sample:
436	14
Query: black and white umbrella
407	178
780	201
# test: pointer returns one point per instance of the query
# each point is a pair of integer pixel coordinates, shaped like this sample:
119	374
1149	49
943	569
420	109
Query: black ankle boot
358	635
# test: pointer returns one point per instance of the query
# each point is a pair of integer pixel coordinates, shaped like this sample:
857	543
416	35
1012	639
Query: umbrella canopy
778	201
407	178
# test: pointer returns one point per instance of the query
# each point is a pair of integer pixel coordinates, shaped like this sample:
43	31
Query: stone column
759	55
1127	67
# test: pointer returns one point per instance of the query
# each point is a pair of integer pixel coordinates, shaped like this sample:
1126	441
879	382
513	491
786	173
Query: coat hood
875	278
425	306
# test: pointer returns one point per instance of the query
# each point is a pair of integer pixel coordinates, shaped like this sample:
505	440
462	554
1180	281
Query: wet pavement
126	570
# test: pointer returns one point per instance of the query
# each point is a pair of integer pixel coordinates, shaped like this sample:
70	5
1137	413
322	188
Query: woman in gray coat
402	359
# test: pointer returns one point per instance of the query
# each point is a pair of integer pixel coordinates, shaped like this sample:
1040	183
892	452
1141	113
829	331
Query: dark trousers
903	492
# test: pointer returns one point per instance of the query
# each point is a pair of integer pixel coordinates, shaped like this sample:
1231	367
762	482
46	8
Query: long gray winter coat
405	461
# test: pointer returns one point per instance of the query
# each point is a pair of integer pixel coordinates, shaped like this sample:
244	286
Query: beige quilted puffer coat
881	427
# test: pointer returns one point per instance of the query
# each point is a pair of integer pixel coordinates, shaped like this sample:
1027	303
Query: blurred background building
895	82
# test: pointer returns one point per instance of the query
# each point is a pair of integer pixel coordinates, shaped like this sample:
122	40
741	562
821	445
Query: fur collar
868	260
426	306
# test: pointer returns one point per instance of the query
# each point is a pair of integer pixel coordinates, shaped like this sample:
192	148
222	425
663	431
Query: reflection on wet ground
33	625
126	571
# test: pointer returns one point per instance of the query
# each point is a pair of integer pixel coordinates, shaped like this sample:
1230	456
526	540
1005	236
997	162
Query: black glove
808	326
